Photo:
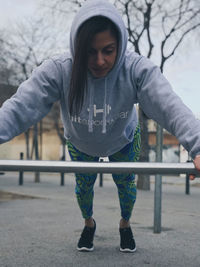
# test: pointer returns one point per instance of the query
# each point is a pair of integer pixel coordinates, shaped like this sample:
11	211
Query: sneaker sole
127	250
85	249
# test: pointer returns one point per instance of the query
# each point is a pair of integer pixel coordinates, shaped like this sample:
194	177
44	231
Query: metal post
21	173
158	182
62	174
187	181
37	174
62	179
187	185
101	177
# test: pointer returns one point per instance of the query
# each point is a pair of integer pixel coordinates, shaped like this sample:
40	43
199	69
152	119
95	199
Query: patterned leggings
125	182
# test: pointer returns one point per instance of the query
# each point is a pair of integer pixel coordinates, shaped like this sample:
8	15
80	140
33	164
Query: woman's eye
92	52
109	51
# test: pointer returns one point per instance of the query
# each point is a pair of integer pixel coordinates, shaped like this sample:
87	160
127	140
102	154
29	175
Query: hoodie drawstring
91	109
104	108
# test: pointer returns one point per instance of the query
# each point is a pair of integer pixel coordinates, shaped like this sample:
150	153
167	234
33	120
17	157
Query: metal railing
107	167
97	167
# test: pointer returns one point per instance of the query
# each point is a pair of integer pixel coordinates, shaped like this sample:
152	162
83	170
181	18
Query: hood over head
93	8
89	9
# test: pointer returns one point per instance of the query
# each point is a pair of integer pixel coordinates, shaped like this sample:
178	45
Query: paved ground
42	228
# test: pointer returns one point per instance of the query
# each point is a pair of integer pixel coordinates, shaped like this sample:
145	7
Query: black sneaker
85	242
127	242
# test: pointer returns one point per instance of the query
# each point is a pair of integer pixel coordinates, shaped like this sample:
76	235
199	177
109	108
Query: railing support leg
187	182
101	177
158	183
21	173
187	185
62	174
158	204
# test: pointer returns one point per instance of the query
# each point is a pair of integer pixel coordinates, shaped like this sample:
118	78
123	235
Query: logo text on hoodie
85	121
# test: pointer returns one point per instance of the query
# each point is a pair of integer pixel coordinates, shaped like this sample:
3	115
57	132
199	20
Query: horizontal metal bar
97	167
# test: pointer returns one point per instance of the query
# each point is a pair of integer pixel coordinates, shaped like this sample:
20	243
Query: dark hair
78	83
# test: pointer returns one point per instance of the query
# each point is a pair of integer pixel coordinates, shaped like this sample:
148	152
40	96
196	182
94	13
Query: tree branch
164	58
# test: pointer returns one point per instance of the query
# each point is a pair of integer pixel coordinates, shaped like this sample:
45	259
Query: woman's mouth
99	72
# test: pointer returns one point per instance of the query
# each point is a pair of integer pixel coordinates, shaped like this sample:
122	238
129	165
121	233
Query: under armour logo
100	110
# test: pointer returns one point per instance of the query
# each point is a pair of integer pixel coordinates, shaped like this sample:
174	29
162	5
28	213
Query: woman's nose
99	59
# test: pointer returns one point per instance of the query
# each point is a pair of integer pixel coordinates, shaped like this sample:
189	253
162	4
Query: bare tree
61	7
6	71
24	47
20	53
27	44
156	29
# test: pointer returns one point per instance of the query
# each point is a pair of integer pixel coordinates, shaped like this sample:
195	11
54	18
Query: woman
98	84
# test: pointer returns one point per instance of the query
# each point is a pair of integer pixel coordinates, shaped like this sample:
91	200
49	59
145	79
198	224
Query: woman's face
102	54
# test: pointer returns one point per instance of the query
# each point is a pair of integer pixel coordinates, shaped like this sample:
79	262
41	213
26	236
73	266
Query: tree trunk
144	179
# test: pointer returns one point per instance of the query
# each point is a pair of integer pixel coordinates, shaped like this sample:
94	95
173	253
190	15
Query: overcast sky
183	72
12	9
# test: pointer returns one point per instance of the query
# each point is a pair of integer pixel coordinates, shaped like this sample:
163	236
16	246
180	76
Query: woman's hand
197	166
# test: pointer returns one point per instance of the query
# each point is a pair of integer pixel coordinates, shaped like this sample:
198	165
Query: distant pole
27	135
158	182
41	139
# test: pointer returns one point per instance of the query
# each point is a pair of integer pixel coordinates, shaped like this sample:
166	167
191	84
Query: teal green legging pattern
125	182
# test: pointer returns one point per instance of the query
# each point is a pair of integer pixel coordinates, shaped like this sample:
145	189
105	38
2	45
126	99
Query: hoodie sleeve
160	103
32	101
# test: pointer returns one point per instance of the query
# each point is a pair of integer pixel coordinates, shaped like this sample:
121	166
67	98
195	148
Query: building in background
49	142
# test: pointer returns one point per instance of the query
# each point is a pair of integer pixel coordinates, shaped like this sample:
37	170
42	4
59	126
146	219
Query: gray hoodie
108	118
